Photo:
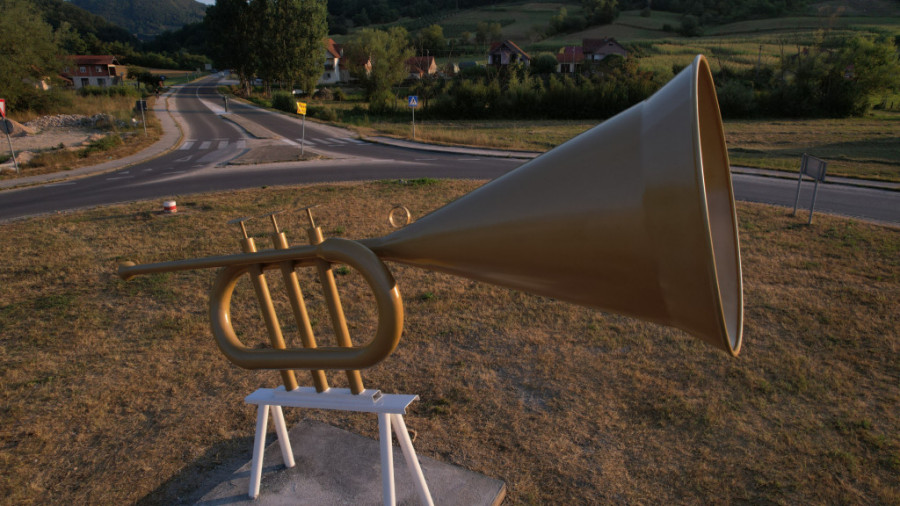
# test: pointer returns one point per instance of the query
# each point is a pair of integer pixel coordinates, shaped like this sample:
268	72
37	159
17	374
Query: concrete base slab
338	467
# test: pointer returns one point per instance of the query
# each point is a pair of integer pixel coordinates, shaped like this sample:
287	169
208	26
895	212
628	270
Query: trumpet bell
635	216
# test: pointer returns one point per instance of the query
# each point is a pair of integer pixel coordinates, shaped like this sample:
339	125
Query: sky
207	2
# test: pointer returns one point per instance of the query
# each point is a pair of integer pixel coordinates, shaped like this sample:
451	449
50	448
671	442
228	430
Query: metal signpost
413	103
7	127
301	110
141	105
814	168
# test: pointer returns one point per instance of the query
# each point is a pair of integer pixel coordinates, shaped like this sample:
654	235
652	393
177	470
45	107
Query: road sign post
142	105
412	103
7	127
301	110
814	168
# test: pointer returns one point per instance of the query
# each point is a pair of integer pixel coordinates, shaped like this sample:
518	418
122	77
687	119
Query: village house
421	66
94	70
569	60
598	49
572	59
334	71
506	53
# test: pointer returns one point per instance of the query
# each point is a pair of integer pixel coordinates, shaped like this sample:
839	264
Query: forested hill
86	24
146	18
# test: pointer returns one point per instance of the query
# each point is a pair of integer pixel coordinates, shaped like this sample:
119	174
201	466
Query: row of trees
837	77
275	40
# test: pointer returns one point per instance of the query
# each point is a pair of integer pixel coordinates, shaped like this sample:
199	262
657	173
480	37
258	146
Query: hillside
55	12
146	18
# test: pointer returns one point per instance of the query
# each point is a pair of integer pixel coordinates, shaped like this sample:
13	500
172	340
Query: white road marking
187	145
308	142
116	178
205	144
59	184
425	159
337	141
223	144
241	144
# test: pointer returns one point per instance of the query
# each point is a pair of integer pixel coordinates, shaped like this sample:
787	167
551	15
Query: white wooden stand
389	407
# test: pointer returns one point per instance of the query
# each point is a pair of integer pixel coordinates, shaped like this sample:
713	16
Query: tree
378	59
600	12
431	40
231	41
32	56
294	37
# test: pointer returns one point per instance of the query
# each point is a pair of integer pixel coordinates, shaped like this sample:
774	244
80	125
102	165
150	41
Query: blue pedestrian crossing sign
413	100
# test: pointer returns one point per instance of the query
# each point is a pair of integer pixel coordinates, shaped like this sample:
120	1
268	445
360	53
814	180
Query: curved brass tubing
354	254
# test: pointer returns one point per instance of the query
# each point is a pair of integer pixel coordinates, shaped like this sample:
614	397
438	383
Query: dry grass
133	139
854	147
114	392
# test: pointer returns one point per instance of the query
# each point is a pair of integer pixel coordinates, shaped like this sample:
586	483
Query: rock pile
74	121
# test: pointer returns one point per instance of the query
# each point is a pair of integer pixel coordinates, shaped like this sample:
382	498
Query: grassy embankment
114	392
120	137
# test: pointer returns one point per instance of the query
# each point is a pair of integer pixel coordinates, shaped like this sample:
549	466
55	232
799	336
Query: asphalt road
199	164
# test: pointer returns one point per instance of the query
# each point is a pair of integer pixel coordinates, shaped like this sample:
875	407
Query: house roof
509	45
420	64
334	49
89	59
570	54
596	45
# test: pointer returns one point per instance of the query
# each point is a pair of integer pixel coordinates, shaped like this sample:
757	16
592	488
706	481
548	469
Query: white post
7	126
143	118
389	496
281	429
259	444
412	462
303	135
414	122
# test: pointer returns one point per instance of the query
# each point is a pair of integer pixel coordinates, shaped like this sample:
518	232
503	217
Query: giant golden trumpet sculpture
635	216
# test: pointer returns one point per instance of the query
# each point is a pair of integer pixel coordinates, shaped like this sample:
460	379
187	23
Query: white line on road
337	141
425	159
241	144
308	142
117	178
205	144
187	145
59	184
223	144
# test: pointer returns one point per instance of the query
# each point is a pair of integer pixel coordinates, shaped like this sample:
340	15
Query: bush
736	99
104	144
324	94
339	95
284	101
323	113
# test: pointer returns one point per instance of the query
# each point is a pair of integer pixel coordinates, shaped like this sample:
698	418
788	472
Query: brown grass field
114	392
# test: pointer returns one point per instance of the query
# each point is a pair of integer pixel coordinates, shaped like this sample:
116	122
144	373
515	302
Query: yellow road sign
301	108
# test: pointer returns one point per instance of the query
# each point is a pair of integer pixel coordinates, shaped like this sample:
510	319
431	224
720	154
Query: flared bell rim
717	195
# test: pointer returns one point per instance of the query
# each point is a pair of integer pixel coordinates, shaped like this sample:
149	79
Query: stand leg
281	429
259	443
412	462
387	460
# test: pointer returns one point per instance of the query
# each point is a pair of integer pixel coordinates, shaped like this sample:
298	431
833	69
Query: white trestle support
389	407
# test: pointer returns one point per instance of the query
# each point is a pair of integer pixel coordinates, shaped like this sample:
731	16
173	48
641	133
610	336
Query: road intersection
202	143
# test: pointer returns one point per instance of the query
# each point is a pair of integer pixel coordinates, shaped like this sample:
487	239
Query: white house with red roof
334	71
94	70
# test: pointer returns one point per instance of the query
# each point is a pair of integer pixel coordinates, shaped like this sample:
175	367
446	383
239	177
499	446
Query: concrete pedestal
338	467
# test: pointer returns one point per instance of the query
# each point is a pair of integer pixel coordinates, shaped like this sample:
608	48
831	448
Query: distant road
200	165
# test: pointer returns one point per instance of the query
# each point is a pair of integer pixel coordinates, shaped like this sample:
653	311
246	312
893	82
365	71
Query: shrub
323	113
284	101
339	95
324	94
104	144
